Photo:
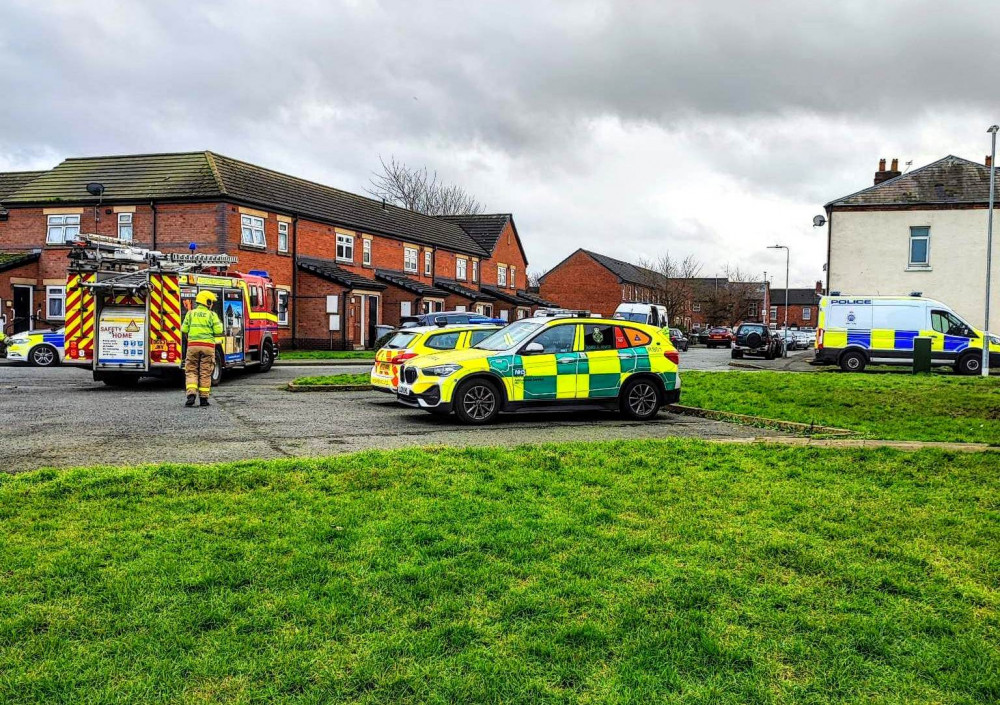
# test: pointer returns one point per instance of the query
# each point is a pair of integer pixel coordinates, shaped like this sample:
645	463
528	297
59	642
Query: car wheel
477	402
970	365
639	399
217	369
853	361
266	357
44	356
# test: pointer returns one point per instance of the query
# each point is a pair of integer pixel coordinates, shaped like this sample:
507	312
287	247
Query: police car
546	362
39	348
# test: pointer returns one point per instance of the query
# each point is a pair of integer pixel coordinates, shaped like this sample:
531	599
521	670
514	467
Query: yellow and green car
542	363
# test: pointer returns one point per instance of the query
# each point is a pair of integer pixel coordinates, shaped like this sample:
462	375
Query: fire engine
124	307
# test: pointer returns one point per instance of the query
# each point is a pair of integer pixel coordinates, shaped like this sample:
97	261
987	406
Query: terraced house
343	263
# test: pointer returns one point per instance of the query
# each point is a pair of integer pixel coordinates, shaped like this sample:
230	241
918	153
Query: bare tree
535	277
418	190
732	300
671	282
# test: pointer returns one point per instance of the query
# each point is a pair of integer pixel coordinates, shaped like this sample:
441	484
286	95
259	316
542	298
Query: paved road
60	417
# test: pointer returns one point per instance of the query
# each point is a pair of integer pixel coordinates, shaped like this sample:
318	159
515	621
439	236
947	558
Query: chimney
884	174
819	288
989	161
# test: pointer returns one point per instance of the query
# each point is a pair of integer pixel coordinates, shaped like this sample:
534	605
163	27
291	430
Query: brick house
342	262
803	306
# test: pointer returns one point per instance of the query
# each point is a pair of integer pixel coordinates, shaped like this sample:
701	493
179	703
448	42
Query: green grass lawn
891	406
327	355
645	571
328	380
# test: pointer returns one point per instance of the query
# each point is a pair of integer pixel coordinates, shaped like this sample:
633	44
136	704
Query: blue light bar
259	273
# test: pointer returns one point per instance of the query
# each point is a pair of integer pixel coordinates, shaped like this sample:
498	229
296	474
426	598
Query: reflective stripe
201	324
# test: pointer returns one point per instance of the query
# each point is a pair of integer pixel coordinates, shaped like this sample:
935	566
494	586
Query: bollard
921	355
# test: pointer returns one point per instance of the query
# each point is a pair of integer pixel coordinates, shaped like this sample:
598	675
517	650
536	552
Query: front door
550	374
22	309
372	319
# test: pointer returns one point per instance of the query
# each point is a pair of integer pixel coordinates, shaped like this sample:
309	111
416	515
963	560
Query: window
282	307
409	259
252	232
55	302
949	324
427	263
282	237
522	313
807	313
752	310
696	307
774	313
501	275
475	271
636	338
405	308
513	277
558	339
125	227
920	247
366	253
600	337
443	341
62	229
460	269
345	248
479	336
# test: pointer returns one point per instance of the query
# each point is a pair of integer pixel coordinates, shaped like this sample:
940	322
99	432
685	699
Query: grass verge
894	407
328	355
333	380
673	571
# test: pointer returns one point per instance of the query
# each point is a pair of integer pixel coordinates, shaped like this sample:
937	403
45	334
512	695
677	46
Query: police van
855	331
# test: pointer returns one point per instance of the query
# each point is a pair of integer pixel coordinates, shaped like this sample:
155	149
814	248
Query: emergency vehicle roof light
916	293
259	273
834	293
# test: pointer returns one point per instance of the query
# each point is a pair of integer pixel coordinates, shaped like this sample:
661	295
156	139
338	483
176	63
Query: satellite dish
95	189
819	221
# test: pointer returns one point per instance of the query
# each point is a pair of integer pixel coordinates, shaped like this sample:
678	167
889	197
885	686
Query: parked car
679	340
650	314
411	343
38	348
449	318
702	337
756	339
719	337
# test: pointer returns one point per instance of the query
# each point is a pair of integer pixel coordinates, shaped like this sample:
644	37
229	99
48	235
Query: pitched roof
207	175
456	287
486	228
414	286
329	270
625	271
11	181
536	299
948	180
508	296
13	260
796	297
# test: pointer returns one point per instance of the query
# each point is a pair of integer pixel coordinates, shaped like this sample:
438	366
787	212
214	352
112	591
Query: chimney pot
881	164
819	288
895	165
989	160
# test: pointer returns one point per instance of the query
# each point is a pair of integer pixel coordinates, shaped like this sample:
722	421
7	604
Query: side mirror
532	349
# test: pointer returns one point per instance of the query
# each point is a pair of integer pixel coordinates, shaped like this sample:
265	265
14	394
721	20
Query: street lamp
989	251
788	254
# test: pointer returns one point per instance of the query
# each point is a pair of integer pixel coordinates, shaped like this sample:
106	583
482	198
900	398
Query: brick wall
796	315
508	253
582	283
313	320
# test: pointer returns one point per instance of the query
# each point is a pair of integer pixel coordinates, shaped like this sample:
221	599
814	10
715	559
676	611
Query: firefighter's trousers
198	364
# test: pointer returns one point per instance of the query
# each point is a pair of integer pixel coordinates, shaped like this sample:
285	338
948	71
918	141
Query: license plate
384	368
404	390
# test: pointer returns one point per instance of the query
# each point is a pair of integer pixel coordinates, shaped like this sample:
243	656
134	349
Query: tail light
673	356
403	357
74	347
171	352
819	339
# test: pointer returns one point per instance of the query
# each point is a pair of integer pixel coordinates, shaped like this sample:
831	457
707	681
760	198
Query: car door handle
566	360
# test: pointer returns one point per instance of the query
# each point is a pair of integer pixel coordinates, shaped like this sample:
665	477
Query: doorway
23	300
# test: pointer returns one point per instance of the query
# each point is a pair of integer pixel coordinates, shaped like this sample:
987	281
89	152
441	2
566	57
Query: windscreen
634	317
400	341
511	335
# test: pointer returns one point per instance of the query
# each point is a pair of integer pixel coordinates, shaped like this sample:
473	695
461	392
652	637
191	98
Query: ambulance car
855	331
546	362
410	343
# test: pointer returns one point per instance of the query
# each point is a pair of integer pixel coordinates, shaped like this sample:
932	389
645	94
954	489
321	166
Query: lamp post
788	254
989	251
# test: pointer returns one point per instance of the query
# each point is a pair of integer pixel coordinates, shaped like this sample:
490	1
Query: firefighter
201	327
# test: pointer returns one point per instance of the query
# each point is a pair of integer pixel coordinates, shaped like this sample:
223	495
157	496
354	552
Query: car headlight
995	340
441	370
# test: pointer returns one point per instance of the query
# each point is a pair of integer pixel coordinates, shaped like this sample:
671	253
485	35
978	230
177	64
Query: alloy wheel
642	399
43	357
479	402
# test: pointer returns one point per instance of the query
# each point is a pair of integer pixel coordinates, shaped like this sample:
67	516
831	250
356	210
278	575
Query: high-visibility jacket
201	326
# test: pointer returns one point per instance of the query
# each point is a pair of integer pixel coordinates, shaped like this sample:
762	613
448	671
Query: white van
650	314
854	331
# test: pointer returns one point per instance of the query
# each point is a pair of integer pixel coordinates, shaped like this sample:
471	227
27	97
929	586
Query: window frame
807	313
50	297
61	226
366	252
345	242
773	313
126	220
409	267
696	306
513	276
428	263
461	268
501	275
282	235
248	221
475	271
280	294
914	236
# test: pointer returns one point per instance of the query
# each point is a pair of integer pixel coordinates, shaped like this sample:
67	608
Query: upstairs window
475	271
366	253
920	247
460	265
282	237
345	248
513	277
252	231
409	259
427	263
62	229
125	227
501	275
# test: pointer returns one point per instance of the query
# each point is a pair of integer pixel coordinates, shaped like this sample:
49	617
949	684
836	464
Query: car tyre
217	369
853	361
44	356
970	364
266	356
477	402
639	399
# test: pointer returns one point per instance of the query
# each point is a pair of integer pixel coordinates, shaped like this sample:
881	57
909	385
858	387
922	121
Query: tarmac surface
60	417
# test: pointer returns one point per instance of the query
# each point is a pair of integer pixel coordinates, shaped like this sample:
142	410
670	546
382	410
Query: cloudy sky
632	128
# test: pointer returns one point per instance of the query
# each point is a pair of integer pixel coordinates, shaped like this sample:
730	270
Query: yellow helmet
206	298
